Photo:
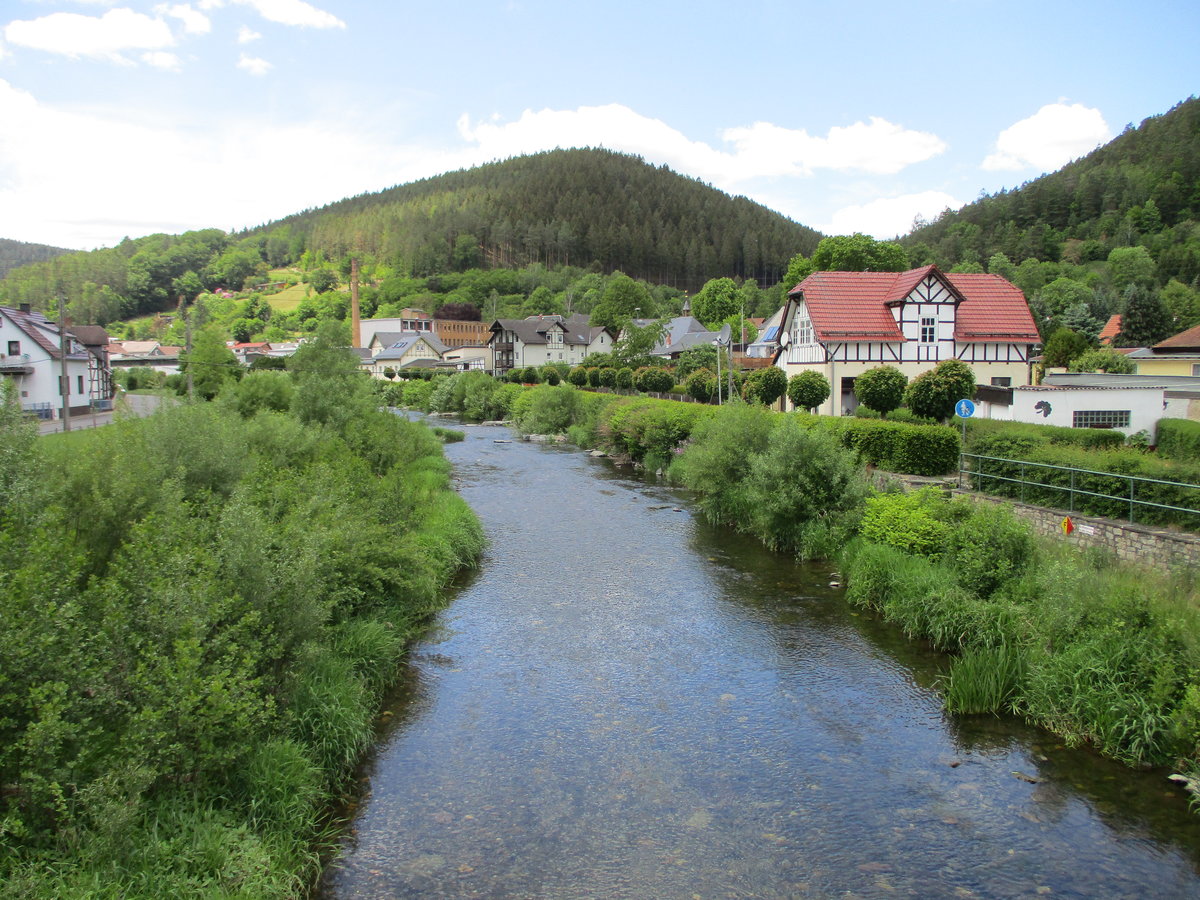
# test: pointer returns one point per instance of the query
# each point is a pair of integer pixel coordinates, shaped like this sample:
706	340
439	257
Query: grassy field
289	298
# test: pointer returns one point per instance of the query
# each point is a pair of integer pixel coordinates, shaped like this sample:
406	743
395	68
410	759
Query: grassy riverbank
198	615
1100	652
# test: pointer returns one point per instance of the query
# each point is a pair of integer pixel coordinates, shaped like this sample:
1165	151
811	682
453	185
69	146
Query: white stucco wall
1145	405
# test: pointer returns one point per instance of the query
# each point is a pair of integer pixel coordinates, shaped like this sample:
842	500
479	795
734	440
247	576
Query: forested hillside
591	210
1115	231
563	207
19	253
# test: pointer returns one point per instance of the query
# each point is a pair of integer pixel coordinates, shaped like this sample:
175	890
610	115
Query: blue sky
125	117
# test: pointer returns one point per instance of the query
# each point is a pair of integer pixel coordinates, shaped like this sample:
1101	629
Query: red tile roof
854	305
1110	330
1185	340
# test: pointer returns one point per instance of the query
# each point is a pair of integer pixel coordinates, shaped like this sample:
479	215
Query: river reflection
625	702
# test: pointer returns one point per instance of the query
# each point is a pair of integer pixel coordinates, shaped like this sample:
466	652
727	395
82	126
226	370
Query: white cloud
253	64
73	35
161	59
891	216
137	178
1049	139
761	150
247	35
293	12
194	22
880	148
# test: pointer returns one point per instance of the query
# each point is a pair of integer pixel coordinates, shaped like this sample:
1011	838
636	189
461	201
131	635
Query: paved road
135	404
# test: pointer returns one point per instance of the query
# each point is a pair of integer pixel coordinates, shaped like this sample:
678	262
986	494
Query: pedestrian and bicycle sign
964	409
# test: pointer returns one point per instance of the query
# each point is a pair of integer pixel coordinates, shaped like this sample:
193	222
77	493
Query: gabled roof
855	305
42	332
406	341
534	329
1185	340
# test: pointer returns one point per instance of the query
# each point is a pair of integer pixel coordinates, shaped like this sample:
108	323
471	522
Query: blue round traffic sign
964	409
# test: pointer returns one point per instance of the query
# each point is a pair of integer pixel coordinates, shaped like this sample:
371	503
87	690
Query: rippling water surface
624	702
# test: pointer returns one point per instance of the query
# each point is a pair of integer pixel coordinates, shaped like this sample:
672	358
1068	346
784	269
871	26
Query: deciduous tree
881	389
808	390
933	394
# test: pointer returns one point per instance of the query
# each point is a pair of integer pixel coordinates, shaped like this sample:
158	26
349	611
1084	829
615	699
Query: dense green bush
766	385
881	389
934	393
717	461
199	615
1095	650
803	491
907	521
625	378
1178	439
653	380
701	385
994	437
642	427
578	376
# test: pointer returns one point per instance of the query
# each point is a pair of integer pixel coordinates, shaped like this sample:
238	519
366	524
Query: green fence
1112	495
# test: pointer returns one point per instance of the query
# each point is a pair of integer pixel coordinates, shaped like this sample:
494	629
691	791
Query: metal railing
973	466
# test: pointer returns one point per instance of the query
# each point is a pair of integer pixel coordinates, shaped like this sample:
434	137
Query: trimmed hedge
987	435
1178	439
895	446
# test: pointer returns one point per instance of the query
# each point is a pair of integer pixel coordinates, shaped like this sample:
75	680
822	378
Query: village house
394	351
1178	355
31	357
537	340
841	324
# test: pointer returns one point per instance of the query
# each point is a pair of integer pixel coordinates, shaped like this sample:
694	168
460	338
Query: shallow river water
625	702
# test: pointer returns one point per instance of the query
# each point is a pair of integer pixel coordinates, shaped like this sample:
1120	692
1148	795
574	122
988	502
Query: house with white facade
537	340
841	324
396	350
31	358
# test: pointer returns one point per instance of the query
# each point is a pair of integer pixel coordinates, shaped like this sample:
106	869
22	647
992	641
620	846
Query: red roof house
844	323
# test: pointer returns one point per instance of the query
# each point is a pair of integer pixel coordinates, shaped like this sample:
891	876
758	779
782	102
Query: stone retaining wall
1143	544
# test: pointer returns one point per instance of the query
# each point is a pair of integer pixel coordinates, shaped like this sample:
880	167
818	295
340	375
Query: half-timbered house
843	323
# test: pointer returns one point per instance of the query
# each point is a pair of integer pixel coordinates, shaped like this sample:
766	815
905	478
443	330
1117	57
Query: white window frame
929	329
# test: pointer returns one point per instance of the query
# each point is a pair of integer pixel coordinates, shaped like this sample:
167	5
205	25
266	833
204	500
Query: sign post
964	409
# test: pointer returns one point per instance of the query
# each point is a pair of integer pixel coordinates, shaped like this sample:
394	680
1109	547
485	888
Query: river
624	702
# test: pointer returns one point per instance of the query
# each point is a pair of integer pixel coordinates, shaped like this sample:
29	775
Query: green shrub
907	521
1178	439
578	376
803	491
701	385
625	378
550	410
608	376
1097	473
718	459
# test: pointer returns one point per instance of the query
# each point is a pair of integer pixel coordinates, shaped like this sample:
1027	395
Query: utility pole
187	321
355	315
65	378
